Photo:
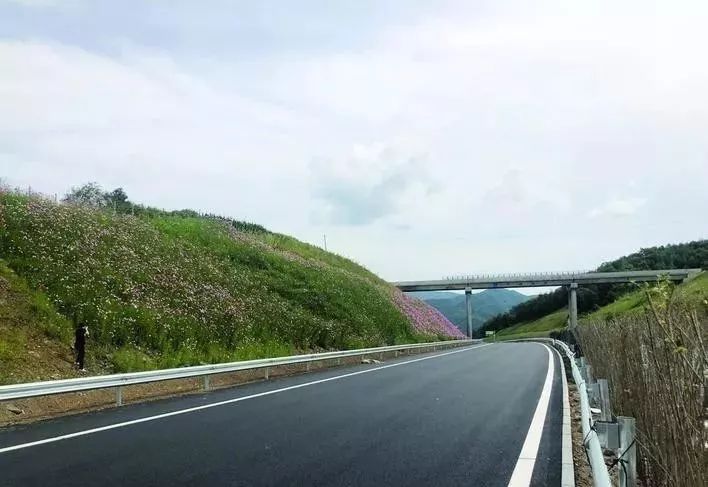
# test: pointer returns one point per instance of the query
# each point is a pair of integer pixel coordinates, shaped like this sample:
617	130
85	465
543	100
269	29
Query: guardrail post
628	450
119	396
585	370
307	366
604	399
267	373
206	382
580	362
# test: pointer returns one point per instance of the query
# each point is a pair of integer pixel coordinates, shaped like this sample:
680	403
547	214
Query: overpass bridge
569	279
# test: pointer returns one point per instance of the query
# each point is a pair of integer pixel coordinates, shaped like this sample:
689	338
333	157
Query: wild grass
656	362
164	289
689	292
519	336
27	321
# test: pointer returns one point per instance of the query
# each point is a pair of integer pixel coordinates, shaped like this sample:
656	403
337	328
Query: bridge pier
468	302
573	304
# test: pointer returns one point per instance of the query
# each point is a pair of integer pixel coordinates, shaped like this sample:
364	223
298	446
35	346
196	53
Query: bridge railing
514	276
45	388
544	279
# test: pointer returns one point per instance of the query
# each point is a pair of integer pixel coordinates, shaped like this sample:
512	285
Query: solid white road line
527	458
567	466
222	403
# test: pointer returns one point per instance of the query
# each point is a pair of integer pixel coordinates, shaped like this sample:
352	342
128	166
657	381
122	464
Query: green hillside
693	291
485	305
592	297
161	289
541	327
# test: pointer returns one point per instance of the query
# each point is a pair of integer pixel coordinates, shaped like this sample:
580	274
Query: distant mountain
485	305
435	295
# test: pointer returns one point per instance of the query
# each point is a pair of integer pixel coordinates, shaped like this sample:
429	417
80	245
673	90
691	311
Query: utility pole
325	242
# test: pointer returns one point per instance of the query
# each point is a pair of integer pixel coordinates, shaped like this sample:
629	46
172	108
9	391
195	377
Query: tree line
117	201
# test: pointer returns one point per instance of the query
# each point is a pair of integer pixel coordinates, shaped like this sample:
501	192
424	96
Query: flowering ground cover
166	289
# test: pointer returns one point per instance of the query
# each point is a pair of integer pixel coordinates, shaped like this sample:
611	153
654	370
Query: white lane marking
521	477
228	401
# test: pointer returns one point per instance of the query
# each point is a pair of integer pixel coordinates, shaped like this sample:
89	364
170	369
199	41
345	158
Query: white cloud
470	139
618	207
71	116
375	181
35	3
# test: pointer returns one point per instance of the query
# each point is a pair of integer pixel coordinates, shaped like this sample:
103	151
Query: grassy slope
34	338
538	328
692	291
166	290
695	290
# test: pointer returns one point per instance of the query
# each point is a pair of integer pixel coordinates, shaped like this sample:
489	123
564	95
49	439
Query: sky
424	139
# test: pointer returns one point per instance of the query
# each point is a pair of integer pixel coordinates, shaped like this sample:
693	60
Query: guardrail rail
607	432
117	381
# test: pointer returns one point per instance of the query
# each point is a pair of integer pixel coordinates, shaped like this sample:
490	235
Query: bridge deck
544	280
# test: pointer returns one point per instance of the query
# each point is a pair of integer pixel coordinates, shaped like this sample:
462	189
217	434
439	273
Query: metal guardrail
45	388
591	442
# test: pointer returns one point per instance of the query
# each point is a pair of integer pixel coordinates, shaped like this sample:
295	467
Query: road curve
453	418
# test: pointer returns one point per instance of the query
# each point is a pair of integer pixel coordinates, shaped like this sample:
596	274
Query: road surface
452	418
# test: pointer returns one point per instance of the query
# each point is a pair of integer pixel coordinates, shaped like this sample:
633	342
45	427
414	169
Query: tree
89	194
118	200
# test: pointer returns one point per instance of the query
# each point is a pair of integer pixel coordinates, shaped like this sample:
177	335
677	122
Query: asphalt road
457	418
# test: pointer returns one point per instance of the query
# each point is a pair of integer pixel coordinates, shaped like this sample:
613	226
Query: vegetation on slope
592	297
541	327
693	292
34	342
162	289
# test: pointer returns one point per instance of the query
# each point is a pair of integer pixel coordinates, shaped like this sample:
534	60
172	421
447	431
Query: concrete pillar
573	305
468	302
